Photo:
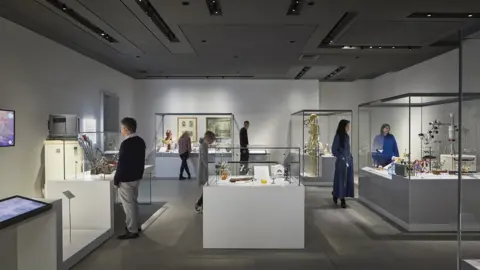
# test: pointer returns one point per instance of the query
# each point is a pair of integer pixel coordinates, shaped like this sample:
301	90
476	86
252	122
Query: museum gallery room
239	134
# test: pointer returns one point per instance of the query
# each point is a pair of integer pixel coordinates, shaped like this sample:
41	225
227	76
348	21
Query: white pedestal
253	215
91	213
34	243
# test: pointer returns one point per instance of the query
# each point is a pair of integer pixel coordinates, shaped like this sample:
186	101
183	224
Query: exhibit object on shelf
16	209
7	128
188	124
221	126
168	140
99	164
63	159
62	126
313	143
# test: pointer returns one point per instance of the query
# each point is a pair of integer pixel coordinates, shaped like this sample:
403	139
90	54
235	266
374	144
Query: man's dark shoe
128	235
189	177
181	178
139	229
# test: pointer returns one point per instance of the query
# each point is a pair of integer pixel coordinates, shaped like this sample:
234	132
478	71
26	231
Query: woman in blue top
384	147
343	178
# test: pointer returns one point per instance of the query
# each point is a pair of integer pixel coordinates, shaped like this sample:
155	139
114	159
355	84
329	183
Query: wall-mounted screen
7	128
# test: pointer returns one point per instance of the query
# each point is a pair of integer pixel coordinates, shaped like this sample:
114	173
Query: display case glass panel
265	166
175	124
468	215
425	129
313	131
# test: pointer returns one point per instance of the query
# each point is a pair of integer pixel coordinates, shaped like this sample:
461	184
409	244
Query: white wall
267	104
39	77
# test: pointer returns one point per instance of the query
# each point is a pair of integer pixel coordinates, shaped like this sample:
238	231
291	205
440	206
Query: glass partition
279	166
467	161
313	132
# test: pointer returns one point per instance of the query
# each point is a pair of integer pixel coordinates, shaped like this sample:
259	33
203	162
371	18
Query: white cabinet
63	159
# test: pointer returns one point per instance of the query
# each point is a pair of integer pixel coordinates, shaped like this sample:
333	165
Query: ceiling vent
309	57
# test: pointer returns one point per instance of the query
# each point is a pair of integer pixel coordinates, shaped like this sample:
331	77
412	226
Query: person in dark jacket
130	169
244	153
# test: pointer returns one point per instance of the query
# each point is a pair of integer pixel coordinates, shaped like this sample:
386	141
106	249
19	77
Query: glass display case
281	166
407	174
423	134
196	124
169	128
313	131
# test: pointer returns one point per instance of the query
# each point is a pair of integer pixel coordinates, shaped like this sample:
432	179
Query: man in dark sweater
130	168
244	153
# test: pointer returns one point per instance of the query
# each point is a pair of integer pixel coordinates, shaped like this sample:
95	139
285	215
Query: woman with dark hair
384	147
343	178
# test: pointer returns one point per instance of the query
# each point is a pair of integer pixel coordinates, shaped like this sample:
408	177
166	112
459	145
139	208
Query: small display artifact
7	128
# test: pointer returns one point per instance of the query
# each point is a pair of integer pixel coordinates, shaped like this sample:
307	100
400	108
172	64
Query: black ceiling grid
337	29
153	14
82	20
295	7
334	73
444	15
302	72
214	7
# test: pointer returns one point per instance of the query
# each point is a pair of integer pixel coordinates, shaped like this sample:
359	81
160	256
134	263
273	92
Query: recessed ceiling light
103	34
293	10
371	47
380	47
429	15
393	47
470	15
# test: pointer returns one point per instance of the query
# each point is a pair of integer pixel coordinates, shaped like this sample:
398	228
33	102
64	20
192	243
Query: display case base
253	216
413	203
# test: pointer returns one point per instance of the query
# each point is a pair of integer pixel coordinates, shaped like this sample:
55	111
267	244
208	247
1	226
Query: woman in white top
202	174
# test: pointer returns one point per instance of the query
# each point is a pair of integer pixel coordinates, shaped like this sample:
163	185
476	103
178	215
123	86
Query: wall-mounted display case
167	160
313	131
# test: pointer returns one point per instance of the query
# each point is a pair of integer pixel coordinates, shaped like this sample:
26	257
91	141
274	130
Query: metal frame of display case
319	113
291	154
445	98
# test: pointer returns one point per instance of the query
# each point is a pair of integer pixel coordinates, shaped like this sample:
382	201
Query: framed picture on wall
188	124
222	127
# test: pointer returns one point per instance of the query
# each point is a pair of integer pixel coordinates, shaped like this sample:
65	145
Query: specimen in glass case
313	143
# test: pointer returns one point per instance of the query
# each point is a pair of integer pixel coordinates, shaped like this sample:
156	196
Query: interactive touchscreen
7	128
16	209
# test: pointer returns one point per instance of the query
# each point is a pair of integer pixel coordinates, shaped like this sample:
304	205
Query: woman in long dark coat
343	179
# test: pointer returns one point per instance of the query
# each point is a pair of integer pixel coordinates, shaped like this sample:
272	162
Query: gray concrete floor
342	239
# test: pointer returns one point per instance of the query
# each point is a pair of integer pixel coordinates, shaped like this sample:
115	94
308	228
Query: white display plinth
91	213
34	243
253	215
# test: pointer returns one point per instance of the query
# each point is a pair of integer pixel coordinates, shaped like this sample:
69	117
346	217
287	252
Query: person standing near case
184	149
343	178
202	174
244	153
384	147
130	169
